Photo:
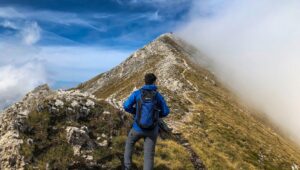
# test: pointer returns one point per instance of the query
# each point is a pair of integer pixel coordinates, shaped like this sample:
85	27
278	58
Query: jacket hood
149	87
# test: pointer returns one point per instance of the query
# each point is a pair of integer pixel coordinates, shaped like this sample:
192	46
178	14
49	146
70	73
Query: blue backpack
147	113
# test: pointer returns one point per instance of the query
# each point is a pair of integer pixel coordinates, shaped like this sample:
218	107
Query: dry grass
168	156
227	136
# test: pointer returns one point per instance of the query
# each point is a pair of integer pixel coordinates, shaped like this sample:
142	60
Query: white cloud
155	16
9	12
253	47
23	67
15	81
64	18
79	63
157	3
8	24
31	33
15	52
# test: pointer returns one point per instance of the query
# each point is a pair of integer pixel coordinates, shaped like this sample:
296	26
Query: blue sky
66	42
115	23
74	40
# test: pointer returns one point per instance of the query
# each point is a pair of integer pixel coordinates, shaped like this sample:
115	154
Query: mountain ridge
186	76
85	127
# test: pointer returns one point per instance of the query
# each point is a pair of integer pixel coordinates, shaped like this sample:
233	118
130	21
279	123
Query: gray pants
149	147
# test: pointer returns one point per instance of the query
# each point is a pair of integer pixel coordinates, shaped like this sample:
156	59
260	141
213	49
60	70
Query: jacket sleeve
129	103
163	105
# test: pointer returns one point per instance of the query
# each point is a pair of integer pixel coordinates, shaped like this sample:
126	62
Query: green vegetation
45	136
46	144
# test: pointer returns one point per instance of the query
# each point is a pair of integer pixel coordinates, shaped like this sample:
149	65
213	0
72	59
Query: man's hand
164	131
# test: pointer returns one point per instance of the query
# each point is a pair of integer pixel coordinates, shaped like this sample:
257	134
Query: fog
254	48
17	80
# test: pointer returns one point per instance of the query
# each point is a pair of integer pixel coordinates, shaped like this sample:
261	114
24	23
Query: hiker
148	106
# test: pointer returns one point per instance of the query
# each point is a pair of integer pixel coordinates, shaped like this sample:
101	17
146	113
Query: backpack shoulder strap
139	106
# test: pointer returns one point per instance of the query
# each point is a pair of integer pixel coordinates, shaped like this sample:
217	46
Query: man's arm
128	104
163	105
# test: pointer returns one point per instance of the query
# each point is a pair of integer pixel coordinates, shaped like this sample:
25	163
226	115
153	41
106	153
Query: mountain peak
165	56
168	34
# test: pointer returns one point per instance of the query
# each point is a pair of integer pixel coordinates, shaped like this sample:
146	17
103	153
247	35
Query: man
147	105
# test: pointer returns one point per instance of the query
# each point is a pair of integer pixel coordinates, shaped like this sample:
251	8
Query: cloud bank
26	63
15	81
24	66
20	71
253	48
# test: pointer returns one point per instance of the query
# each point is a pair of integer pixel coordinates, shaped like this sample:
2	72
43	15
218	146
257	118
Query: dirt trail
195	159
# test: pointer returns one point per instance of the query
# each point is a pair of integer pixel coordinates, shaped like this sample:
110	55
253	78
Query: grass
168	156
172	155
231	137
49	146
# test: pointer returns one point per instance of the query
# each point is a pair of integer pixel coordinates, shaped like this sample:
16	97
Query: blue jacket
133	98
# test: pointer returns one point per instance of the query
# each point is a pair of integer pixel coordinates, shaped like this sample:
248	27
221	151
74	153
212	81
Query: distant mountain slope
223	133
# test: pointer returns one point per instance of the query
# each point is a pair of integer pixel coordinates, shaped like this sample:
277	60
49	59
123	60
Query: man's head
150	78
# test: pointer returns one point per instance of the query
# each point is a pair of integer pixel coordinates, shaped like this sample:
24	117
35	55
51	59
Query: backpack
147	113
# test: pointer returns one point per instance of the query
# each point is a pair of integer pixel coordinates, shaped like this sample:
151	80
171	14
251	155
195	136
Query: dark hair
150	78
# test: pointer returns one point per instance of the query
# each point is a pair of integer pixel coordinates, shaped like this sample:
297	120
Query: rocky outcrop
11	122
79	139
30	127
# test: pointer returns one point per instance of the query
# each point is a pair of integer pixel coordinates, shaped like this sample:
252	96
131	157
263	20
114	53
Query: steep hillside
222	132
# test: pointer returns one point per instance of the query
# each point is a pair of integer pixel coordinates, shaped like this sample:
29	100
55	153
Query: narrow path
187	67
195	159
185	94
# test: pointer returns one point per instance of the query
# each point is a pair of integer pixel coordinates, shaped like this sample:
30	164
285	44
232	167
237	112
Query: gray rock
29	141
79	137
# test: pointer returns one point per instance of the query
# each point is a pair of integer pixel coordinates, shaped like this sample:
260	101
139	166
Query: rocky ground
59	129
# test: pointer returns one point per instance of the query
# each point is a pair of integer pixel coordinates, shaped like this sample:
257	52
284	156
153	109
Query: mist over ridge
253	48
